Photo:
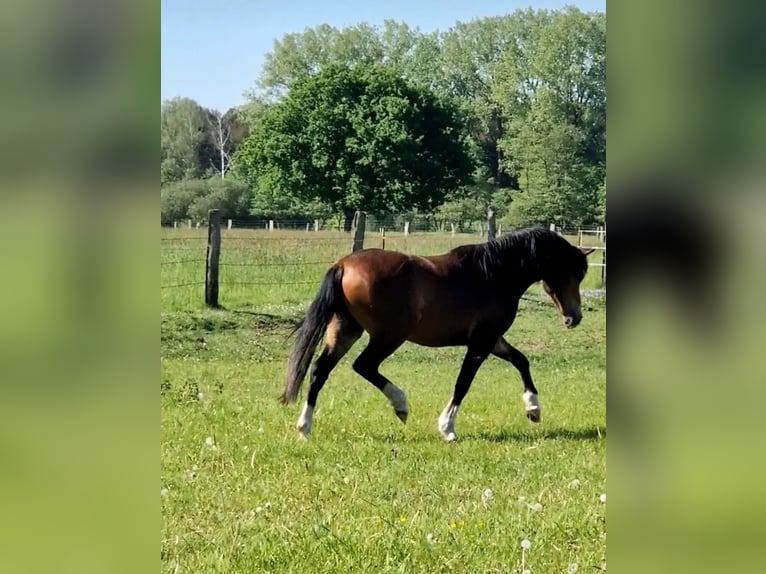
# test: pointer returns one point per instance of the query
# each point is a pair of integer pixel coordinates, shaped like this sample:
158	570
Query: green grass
365	493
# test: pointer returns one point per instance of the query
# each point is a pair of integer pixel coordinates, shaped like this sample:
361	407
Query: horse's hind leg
341	334
367	365
504	350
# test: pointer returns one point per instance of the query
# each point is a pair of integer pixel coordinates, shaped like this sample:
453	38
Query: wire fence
280	264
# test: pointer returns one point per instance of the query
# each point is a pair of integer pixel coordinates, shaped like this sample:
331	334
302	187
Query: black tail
311	330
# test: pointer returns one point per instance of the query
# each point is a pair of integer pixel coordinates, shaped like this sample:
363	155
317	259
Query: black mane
523	250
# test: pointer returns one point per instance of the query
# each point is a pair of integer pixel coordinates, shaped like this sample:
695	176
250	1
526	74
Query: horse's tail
311	330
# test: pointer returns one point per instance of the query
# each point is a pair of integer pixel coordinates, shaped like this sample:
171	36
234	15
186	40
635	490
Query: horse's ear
587	252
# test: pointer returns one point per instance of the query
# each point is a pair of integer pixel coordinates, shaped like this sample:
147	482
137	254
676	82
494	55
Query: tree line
507	112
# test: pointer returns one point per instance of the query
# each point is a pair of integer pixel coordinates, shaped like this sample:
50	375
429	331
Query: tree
551	87
184	142
558	185
358	138
220	136
470	54
302	54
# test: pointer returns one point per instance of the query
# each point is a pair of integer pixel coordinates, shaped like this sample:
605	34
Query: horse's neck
522	270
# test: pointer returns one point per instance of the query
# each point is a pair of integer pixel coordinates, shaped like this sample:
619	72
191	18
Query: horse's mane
522	248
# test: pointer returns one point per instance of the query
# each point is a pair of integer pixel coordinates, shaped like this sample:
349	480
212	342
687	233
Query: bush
192	199
176	199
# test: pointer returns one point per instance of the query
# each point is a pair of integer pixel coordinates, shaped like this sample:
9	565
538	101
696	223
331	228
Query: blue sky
212	50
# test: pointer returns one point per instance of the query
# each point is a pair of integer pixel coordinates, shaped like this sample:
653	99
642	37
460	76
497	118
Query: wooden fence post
491	226
452	228
271	225
358	231
406	227
316	225
228	225
213	256
603	267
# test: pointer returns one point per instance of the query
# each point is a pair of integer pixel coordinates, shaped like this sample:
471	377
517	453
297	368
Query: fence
291	258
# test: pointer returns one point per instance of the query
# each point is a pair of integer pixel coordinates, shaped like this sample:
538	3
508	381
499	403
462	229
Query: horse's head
562	280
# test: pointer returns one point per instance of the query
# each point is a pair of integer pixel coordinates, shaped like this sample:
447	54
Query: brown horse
466	297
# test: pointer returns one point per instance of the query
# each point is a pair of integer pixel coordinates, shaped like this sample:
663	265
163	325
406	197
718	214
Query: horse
467	297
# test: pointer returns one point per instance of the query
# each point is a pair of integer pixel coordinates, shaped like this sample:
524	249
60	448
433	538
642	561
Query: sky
213	50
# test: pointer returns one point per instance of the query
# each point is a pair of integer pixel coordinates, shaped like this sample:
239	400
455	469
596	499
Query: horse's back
420	299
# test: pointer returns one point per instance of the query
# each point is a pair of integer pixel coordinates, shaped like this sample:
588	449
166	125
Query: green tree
358	138
302	54
470	53
551	87
185	144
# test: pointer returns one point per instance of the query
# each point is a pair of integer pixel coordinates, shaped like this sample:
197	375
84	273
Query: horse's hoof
450	436
304	431
402	416
447	435
534	415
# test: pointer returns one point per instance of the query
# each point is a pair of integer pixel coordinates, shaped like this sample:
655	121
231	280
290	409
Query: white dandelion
602	498
430	539
525	545
574	484
487	495
572	568
200	396
163	492
210	442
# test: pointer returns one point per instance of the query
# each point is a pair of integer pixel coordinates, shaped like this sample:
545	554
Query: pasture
240	493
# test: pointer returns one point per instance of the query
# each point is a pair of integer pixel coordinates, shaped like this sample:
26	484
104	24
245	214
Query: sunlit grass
240	493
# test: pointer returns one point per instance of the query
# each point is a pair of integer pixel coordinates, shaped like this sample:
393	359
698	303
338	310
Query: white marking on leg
447	422
304	421
398	400
532	405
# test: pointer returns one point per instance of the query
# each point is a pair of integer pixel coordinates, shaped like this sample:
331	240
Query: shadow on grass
502	436
267	318
585	434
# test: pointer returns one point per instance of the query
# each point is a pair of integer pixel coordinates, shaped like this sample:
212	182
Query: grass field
240	493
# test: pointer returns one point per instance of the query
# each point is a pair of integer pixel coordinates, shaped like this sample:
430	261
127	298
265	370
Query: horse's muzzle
572	320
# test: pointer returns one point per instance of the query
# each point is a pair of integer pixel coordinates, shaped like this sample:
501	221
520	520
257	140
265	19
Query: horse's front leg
504	350
471	363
